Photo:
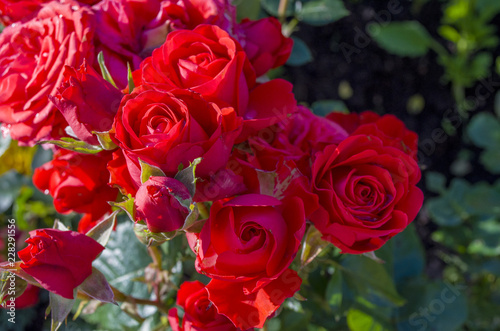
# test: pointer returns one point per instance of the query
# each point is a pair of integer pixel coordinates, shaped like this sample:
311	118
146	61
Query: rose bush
59	260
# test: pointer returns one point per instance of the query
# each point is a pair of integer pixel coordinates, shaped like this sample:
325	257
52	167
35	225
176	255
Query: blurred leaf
10	187
247	9
371	278
408	38
487	239
16	158
490	159
497	103
448	210
4	143
358	320
41	157
409	255
271	6
435	182
449	32
325	107
123	261
322	12
433	306
300	53
333	292
484	130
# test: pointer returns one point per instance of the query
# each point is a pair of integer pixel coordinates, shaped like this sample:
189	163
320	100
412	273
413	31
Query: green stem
120	296
282	10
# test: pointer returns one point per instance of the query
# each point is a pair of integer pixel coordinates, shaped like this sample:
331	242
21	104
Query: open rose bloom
163	109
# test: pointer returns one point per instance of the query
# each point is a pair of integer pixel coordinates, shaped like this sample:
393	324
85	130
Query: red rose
389	128
32	57
157	203
87	102
246	246
206	60
59	260
187	15
296	138
366	191
78	182
168	129
199	313
121	23
265	45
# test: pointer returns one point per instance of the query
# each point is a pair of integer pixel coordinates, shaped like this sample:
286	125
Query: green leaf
448	209
450	33
101	232
187	176
435	182
408	255
127	205
247	9
360	320
59	309
325	107
148	170
123	261
271	6
497	103
311	246
19	285
74	145
10	187
408	38
97	287
371	278
333	294
490	159
105	140
104	70
433	305
322	12
131	85
300	53
484	130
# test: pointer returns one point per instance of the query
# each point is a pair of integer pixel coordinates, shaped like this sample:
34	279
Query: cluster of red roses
196	97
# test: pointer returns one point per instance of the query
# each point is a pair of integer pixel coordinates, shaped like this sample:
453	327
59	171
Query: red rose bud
59	260
199	312
265	45
157	203
87	102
